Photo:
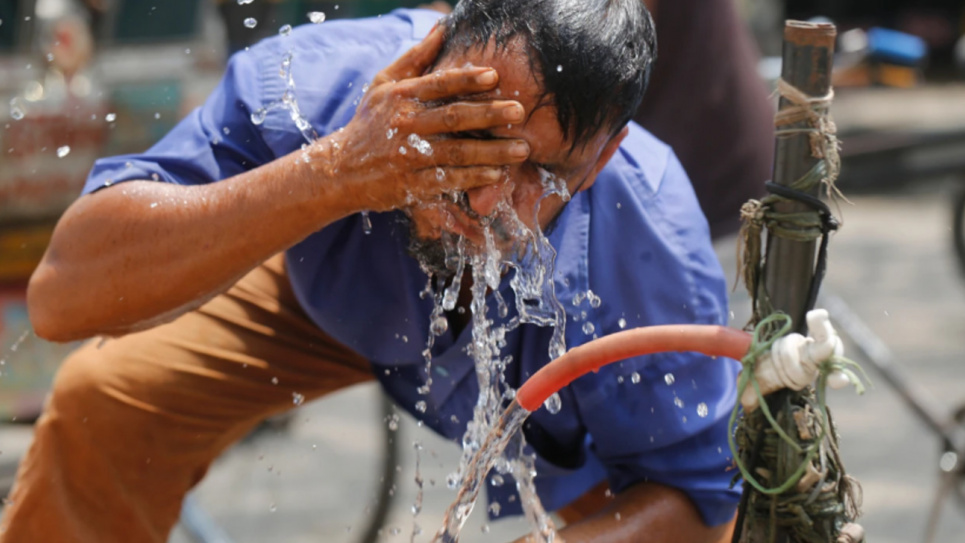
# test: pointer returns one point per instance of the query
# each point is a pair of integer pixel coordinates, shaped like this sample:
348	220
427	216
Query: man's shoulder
642	160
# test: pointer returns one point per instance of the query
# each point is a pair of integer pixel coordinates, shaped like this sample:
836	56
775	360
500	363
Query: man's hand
402	147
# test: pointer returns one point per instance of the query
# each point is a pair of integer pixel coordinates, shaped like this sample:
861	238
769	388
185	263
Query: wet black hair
593	57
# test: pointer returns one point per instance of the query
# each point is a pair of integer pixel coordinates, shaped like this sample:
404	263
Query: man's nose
484	200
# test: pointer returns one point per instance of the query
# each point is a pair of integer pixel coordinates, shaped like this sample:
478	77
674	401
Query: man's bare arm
645	512
138	253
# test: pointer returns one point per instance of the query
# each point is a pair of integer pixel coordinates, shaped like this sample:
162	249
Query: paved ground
891	262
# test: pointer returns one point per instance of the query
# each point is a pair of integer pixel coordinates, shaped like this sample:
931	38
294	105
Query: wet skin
520	187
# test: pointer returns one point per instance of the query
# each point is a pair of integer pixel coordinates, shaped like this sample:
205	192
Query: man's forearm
130	256
141	252
645	512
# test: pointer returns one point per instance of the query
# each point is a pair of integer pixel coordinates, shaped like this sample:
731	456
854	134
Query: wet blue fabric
636	239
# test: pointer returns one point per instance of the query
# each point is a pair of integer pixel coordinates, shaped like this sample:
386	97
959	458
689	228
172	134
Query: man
216	332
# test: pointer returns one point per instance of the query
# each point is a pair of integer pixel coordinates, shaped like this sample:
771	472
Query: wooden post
789	264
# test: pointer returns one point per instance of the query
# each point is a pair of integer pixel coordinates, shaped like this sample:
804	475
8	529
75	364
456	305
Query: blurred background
81	79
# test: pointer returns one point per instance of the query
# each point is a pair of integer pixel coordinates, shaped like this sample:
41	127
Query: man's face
523	185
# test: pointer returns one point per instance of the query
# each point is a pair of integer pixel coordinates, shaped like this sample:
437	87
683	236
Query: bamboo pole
789	264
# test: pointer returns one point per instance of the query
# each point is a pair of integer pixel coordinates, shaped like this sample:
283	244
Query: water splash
417	504
531	261
506	428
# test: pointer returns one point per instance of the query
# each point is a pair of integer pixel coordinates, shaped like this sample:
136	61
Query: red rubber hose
711	340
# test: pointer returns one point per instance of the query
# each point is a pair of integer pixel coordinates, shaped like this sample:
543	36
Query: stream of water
492	437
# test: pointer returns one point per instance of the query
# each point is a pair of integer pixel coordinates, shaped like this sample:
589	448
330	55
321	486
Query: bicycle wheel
958	229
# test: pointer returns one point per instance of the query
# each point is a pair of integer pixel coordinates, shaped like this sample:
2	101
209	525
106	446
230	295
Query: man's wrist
327	193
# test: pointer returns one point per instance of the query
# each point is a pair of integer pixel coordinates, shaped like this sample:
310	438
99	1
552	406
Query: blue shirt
637	239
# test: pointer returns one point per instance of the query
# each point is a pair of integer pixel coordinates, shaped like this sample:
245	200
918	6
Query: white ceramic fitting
794	360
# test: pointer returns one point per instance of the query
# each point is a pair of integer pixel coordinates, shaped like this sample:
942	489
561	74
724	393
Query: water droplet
244	2
402	150
593	299
578	298
285	30
16	112
635	378
390	133
495	508
702	410
272	508
559	67
419	144
226	130
157	115
553	404
622	323
297	398
452	481
669	379
420	406
588	328
50	57
619	205
258	116
440	175
274	380
316	17
367	229
678	402
110	117
251	22
618	517
405	339
497	480
620	379
484	528
187	51
439	326
63	151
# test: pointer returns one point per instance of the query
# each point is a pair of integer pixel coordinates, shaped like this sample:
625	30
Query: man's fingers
415	61
464	178
450	83
466	116
470	152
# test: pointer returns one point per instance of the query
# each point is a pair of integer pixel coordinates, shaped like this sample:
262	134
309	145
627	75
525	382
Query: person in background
708	103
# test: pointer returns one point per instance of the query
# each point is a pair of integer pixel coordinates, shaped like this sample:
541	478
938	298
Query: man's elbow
47	316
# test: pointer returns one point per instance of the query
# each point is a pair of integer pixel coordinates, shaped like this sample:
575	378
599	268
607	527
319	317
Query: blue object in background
896	47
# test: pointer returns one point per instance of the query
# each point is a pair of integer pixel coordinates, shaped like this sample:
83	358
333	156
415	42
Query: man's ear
605	155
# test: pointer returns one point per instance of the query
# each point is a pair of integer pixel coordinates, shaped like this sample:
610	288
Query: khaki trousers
134	422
